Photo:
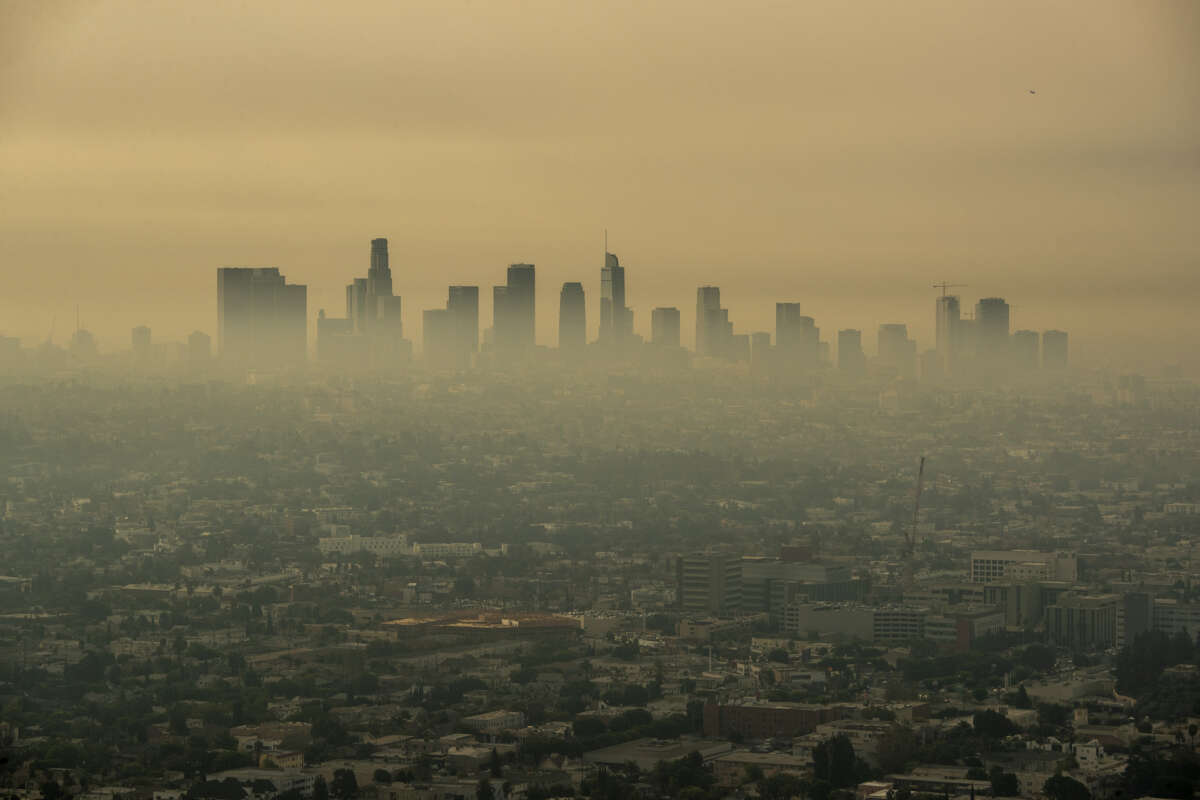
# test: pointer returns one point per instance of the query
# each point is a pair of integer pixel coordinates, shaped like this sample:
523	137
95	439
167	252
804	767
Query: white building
990	566
385	546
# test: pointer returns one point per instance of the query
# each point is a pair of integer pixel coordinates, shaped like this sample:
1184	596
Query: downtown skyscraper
616	319
514	326
572	317
262	320
372	332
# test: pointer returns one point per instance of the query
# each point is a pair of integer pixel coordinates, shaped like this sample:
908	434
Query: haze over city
482	400
843	158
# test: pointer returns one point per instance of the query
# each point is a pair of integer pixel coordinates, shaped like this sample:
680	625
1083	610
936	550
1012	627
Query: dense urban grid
772	567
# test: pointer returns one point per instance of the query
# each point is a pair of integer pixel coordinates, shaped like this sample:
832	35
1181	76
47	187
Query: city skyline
820	159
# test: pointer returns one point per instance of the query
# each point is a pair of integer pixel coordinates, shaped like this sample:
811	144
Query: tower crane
943	285
910	541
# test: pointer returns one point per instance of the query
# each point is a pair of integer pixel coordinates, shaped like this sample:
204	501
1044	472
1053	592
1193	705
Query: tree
1004	784
993	725
1063	787
383	776
320	788
896	748
1038	657
495	766
483	790
834	761
344	785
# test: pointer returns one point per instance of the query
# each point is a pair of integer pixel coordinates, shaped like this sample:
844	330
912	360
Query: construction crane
943	285
910	541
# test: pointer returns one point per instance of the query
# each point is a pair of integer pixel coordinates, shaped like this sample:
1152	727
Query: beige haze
845	155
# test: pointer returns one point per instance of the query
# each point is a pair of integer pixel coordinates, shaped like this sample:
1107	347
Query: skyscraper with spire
616	319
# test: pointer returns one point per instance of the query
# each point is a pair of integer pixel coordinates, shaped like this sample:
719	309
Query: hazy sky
844	155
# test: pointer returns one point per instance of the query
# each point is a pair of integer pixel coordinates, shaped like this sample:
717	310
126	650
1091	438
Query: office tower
664	327
572	317
851	358
379	274
514	316
1054	350
787	325
463	304
991	330
708	303
372	332
1025	349
437	335
797	338
947	316
616	319
896	350
261	318
199	347
140	341
710	583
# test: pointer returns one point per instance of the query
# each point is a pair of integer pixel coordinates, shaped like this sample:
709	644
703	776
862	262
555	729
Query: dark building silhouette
616	319
714	331
372	332
797	339
572	317
850	356
513	312
261	318
896	351
664	327
948	317
1054	350
991	331
463	305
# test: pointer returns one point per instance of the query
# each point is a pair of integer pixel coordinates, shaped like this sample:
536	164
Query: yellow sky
845	155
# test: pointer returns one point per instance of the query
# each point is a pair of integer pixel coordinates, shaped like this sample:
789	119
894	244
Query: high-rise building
513	311
948	316
664	327
616	319
572	317
463	305
797	338
896	350
708	306
1054	350
991	331
372	332
850	356
262	320
787	324
710	583
1025	350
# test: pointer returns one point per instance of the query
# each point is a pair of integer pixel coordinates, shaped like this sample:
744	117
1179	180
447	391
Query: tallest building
616	320
379	275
